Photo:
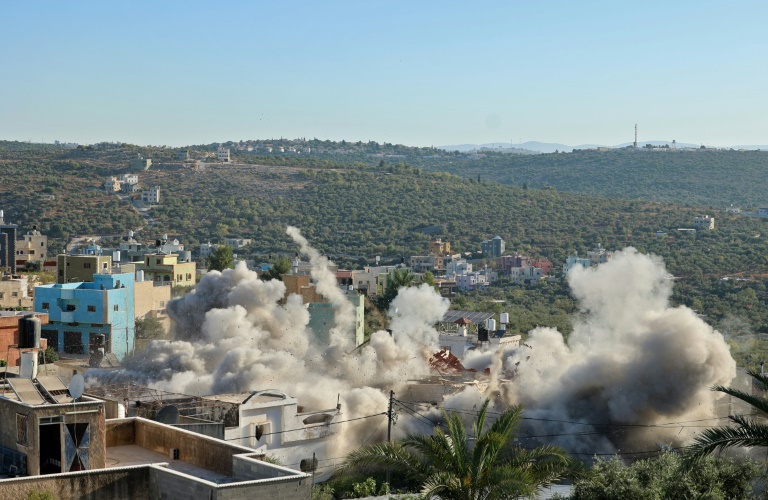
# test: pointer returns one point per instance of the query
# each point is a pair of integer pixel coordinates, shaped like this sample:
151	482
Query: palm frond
756	402
393	456
749	433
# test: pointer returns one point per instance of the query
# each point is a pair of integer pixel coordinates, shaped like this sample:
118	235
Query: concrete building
8	236
150	300
57	446
79	268
111	184
182	154
128	178
322	316
273	423
704	222
33	247
166	268
77	312
371	280
14	292
439	247
457	266
509	262
527	274
574	261
140	163
45	431
222	154
762	212
236	243
544	264
9	335
599	256
151	195
423	263
206	249
494	247
471	281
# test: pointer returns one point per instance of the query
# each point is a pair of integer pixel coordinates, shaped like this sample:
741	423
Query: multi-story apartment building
33	247
166	268
151	195
494	247
77	268
77	312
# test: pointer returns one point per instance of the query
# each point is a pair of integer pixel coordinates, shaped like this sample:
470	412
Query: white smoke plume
233	333
631	359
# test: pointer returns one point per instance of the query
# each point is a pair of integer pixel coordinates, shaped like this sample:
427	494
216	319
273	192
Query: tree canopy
221	258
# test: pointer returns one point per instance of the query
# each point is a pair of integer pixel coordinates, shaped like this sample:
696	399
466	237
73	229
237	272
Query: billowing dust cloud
234	333
631	359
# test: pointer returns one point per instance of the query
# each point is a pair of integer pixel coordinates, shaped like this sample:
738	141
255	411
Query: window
179	277
162	303
260	433
71	307
116	307
31	252
158	261
46	305
86	265
14	294
91	309
2	294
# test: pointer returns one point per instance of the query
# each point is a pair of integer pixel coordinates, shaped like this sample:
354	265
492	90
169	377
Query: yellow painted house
166	268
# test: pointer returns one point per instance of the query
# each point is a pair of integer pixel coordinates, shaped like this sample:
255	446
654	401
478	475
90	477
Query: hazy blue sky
416	72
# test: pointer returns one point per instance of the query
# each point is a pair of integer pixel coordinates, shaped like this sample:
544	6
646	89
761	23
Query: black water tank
482	334
29	331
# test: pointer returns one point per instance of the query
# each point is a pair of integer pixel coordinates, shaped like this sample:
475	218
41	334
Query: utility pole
389	424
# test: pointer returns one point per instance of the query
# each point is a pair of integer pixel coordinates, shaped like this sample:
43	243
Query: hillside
704	178
353	211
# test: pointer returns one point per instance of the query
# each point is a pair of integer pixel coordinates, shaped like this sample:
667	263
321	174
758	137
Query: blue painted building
79	311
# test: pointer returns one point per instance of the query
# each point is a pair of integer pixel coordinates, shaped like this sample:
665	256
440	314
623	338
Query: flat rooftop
129	455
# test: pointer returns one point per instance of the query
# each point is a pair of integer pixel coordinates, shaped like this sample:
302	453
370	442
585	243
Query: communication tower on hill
635	135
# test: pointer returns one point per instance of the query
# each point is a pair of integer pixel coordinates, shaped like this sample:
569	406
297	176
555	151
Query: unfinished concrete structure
70	450
270	421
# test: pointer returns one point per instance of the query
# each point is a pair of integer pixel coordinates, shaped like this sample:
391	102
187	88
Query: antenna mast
635	135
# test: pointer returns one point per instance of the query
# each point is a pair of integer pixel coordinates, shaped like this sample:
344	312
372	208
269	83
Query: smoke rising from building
631	358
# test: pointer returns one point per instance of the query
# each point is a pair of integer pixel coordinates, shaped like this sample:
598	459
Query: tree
749	431
221	258
280	267
397	279
483	465
667	476
149	328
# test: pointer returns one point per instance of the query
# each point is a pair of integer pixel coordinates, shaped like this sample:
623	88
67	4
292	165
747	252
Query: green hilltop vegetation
352	211
702	177
693	177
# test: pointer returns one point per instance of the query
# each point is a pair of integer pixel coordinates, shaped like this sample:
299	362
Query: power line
304	428
670	425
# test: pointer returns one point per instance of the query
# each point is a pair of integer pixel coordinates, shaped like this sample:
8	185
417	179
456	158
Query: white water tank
504	318
490	324
120	410
116	257
140	275
28	368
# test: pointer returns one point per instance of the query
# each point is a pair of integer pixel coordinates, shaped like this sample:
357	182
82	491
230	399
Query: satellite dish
76	386
168	415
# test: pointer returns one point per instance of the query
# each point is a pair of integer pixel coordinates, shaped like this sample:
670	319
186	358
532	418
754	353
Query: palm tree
749	432
485	465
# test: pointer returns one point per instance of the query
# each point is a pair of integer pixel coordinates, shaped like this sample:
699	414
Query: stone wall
125	482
